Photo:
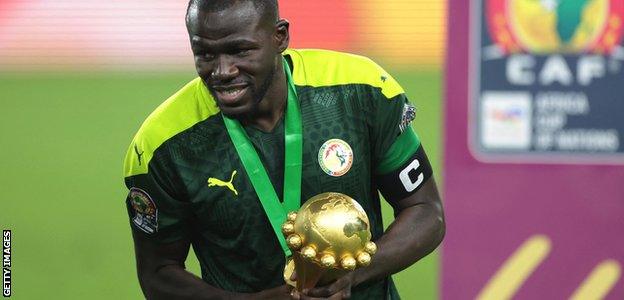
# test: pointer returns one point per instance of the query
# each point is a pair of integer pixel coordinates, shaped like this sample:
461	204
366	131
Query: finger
320	292
304	297
336	297
286	288
346	293
294	295
329	290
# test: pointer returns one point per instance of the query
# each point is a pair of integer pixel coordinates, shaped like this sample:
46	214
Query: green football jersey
186	179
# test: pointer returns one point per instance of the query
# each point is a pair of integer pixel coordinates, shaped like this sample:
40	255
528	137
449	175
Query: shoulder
187	107
316	68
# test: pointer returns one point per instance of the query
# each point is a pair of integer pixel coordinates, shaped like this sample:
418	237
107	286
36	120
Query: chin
237	112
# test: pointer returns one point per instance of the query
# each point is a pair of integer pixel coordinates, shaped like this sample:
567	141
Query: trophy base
289	269
309	274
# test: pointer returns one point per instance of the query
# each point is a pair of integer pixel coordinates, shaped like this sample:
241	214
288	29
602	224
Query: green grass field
63	141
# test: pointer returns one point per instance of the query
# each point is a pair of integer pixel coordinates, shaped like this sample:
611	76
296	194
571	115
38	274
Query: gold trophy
329	236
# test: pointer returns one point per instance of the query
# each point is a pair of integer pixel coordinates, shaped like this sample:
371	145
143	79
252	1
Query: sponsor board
567	60
527	218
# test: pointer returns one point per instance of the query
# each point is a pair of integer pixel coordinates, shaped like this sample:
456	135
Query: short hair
266	7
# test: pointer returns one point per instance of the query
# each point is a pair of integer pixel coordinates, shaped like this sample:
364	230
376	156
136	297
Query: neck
271	107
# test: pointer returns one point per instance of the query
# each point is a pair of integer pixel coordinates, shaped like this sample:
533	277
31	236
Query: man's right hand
162	275
281	292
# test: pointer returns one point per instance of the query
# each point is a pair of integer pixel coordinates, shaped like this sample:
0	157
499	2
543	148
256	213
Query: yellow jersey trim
189	106
193	104
319	68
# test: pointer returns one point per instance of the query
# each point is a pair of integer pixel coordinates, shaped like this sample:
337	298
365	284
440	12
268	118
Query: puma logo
136	150
218	182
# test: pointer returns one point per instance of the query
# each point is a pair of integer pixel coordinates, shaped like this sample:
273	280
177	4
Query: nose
224	69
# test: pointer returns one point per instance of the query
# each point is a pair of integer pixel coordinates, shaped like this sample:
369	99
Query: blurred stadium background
78	77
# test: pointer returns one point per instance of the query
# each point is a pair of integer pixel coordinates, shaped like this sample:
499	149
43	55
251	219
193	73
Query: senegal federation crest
335	157
555	26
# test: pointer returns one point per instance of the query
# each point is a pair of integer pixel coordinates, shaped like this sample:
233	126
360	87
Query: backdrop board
534	150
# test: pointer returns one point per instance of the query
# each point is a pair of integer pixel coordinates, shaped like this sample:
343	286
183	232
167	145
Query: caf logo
556	26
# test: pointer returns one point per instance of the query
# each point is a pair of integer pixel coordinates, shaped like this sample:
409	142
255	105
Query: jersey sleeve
153	204
390	116
400	163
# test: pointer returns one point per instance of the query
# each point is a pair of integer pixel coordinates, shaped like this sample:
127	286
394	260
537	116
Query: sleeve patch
144	211
409	114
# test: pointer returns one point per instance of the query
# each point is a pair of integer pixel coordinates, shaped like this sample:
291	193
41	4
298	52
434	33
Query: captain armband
407	179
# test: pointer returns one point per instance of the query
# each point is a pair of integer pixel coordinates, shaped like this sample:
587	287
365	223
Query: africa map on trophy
329	236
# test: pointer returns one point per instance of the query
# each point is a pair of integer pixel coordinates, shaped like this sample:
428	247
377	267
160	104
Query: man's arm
162	274
416	231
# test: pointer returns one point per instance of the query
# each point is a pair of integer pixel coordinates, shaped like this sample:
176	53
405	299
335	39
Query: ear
282	35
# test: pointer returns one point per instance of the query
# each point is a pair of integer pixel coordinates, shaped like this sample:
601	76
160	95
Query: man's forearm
162	275
174	282
416	232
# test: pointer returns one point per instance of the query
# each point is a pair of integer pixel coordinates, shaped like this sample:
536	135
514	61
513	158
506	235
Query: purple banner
528	222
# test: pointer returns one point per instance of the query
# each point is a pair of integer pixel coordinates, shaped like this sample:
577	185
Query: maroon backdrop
573	215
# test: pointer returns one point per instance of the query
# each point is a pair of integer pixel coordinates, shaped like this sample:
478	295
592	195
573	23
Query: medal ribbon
276	211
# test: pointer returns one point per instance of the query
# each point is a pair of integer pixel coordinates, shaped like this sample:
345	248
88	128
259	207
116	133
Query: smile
230	95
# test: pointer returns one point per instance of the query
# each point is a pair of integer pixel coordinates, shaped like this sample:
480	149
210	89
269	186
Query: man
301	122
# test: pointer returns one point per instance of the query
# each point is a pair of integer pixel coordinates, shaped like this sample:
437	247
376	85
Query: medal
275	210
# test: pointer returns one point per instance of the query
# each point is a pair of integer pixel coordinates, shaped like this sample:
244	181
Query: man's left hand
339	289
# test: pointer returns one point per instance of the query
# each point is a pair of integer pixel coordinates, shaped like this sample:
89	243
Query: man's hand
162	275
281	292
339	289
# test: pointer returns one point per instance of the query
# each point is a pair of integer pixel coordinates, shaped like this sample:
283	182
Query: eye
208	56
204	55
243	52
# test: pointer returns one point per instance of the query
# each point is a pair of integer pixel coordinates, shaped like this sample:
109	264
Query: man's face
236	52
